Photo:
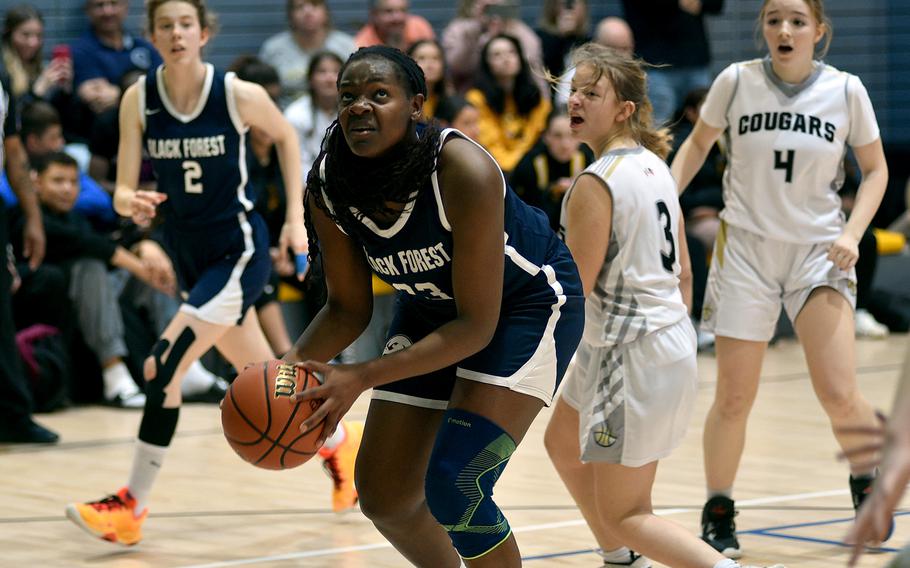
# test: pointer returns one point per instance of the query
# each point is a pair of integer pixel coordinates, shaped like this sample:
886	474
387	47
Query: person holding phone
21	45
479	21
563	26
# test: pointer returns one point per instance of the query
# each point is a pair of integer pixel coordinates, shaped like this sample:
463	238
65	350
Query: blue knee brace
470	454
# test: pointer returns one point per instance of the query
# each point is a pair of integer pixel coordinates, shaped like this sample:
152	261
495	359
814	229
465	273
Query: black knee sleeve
159	423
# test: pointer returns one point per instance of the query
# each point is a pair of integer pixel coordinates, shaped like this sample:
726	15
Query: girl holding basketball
788	119
628	398
193	120
488	314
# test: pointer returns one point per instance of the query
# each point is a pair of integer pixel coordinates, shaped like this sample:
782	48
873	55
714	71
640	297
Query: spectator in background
22	41
544	174
104	54
616	33
477	22
672	32
16	402
310	32
429	55
611	32
513	113
315	110
564	24
390	24
84	255
457	112
42	134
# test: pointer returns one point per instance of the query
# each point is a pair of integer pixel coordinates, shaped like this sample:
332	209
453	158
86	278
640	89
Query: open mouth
785	48
576	121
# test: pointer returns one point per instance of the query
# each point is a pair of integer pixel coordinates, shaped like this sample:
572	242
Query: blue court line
767	531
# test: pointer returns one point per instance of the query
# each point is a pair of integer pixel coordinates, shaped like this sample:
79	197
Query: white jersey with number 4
786	146
637	289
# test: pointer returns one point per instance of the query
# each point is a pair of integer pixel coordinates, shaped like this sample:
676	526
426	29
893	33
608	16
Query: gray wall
871	37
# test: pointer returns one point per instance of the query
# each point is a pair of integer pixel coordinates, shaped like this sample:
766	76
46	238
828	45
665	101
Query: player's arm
33	238
128	201
685	266
472	190
257	109
844	252
693	152
349	303
872	164
589	220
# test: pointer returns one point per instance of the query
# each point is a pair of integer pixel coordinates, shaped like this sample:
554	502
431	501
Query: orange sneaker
113	518
339	464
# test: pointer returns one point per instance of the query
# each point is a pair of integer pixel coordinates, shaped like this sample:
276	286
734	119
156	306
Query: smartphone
508	10
61	51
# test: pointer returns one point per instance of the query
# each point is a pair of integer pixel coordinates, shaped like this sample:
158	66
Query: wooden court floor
210	509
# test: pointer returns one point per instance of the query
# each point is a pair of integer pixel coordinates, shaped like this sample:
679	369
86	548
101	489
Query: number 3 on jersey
668	259
785	164
192	173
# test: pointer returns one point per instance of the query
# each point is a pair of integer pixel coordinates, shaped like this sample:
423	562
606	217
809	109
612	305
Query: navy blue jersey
414	255
199	158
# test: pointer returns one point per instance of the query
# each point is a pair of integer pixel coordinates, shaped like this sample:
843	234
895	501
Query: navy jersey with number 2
219	245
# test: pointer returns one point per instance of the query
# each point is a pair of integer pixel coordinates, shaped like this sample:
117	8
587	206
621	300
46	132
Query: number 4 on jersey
786	165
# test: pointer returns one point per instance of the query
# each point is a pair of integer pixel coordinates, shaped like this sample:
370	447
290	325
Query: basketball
261	420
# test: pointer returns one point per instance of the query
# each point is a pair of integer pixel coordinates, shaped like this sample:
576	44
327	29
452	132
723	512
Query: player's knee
387	508
733	406
148	369
471	453
838	401
160	370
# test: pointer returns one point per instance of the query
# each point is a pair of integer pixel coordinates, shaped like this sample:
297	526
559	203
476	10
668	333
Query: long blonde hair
630	83
817	8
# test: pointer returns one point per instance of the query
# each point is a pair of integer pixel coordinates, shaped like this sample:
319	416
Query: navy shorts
529	353
221	270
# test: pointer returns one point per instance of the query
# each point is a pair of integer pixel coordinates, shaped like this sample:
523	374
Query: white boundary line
529	528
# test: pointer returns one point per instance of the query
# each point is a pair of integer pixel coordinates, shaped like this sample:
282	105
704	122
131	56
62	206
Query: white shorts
752	276
634	401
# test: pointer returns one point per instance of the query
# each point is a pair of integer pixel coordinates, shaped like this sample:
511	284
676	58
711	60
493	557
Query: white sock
335	439
146	465
197	379
621	554
728	493
117	380
727	563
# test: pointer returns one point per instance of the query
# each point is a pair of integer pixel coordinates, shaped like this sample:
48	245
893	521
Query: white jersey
786	146
637	289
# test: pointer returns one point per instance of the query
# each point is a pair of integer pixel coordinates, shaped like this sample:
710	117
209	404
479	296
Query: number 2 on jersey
192	172
663	216
786	165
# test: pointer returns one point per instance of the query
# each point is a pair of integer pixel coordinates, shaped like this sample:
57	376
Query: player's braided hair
370	185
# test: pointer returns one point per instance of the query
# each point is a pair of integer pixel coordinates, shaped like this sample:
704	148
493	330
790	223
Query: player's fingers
313	420
314	366
312	393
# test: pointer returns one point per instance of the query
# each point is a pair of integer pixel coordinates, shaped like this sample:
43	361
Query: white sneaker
868	326
635	561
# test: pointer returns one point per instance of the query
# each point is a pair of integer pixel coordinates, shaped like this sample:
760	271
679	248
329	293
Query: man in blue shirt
105	53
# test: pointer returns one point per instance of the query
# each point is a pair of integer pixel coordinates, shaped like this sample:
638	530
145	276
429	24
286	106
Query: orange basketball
261	420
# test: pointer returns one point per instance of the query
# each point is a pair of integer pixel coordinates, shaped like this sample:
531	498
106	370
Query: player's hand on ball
844	252
341	385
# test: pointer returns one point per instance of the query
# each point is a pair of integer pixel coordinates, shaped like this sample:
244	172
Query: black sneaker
860	488
718	528
26	431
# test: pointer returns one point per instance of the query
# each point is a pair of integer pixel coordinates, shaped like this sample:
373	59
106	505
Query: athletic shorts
221	271
529	353
634	401
752	276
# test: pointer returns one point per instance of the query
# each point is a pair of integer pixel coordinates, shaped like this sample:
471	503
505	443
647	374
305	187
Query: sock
728	493
117	380
727	563
333	441
621	554
146	465
197	379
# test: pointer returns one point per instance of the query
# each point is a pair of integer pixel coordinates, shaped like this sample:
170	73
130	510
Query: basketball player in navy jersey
788	119
193	120
488	314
